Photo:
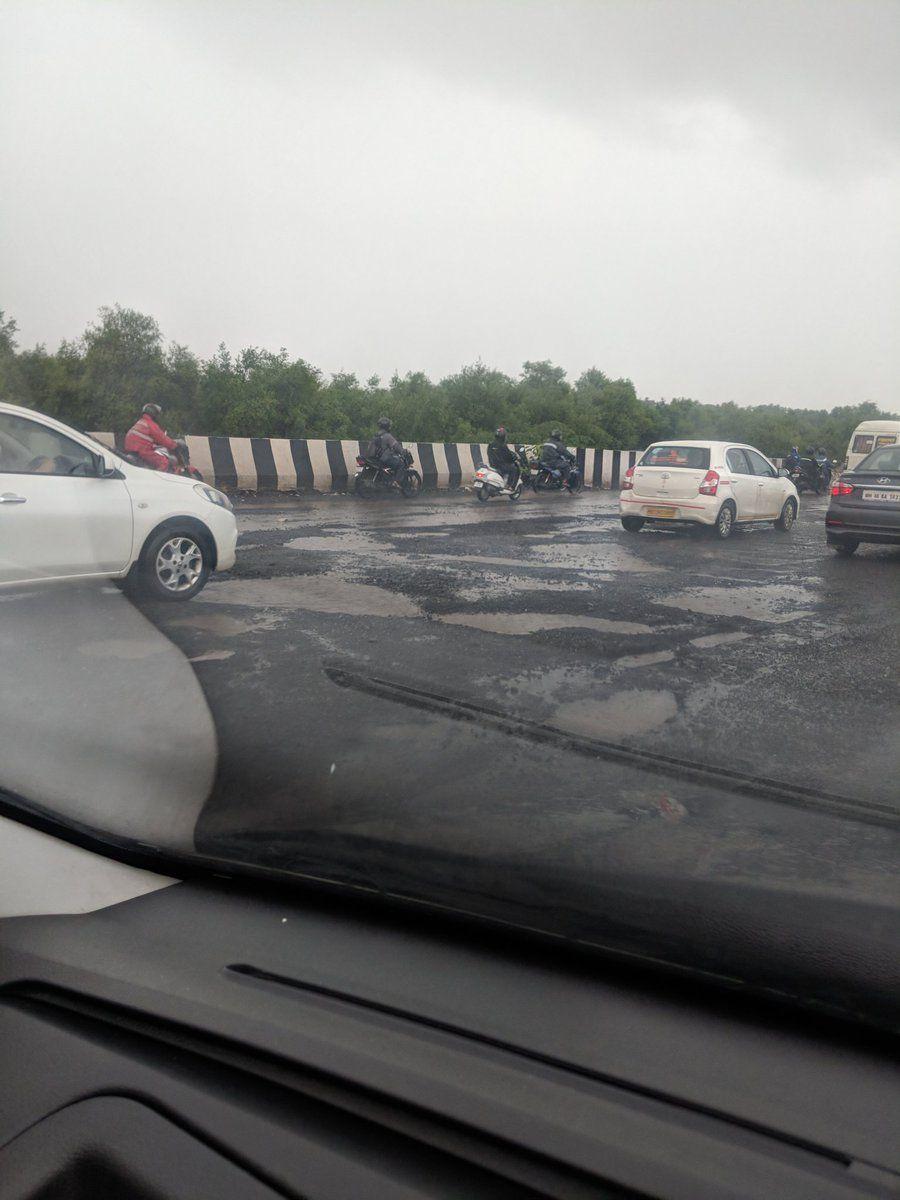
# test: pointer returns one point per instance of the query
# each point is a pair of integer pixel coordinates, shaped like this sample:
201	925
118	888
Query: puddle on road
774	603
596	555
717	639
548	682
268	522
425	533
351	542
493	584
620	715
643	660
314	593
220	623
524	623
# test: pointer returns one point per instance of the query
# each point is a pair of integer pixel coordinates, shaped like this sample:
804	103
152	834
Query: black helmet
384	423
500	433
152	410
557	435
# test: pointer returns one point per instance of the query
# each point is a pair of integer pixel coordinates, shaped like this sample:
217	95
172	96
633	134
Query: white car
71	508
717	484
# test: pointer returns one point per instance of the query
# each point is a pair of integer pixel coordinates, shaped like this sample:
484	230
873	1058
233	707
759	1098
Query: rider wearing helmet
148	440
385	448
555	455
503	458
793	458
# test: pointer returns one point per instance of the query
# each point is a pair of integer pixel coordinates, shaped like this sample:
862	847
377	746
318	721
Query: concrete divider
304	465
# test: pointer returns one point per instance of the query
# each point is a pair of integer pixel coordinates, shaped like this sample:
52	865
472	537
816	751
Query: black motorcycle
544	478
374	477
811	475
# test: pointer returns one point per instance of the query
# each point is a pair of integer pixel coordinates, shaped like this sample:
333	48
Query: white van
868	436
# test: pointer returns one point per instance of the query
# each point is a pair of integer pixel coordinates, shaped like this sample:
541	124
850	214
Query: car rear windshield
885	459
695	457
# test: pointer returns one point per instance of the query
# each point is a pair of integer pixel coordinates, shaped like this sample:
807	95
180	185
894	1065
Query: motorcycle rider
385	448
555	455
148	440
793	459
503	458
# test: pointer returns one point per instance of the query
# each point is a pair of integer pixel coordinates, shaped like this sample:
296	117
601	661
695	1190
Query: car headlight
213	495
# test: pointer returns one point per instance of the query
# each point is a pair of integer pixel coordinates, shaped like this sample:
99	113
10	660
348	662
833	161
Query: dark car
865	503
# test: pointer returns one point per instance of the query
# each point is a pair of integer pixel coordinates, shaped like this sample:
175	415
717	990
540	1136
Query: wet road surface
448	671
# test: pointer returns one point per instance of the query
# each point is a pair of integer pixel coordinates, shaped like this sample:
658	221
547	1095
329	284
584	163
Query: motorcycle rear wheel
481	494
363	488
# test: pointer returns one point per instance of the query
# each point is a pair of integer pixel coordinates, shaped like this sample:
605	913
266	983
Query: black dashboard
220	1040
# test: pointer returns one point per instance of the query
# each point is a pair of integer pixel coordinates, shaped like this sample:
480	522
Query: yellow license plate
661	512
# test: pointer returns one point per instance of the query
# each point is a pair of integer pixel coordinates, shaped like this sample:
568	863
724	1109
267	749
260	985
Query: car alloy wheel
179	564
725	521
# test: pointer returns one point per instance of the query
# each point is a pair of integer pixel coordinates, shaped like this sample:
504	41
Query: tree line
121	362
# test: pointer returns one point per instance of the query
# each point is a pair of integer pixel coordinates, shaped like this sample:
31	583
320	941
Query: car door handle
11	498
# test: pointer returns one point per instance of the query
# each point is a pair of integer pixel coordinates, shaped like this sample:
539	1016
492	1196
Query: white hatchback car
706	483
71	508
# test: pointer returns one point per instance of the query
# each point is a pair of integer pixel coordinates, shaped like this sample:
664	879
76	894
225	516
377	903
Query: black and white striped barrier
303	465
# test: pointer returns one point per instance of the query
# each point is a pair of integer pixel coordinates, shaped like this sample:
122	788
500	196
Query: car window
737	462
696	457
885	439
30	448
759	464
885	459
863	443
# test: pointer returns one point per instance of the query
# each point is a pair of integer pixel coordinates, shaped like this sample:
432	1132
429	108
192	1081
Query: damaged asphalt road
447	673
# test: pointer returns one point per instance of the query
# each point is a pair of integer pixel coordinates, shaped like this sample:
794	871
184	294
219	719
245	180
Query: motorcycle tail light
360	462
842	489
628	481
710	484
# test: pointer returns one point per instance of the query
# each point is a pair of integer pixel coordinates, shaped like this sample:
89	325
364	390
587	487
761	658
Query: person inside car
503	458
148	440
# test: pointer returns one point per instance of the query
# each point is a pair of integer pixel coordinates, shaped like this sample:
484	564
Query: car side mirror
105	470
784	473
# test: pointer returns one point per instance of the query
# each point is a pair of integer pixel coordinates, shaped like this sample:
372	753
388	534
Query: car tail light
710	484
628	481
360	462
842	489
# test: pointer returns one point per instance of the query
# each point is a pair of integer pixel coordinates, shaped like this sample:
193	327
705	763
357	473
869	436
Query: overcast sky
702	196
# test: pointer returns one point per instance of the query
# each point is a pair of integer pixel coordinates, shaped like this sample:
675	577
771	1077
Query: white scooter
488	482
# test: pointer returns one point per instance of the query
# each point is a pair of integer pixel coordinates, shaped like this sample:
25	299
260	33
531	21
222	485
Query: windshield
328	245
885	459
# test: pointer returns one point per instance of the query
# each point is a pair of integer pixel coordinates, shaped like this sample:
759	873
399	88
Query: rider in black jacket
385	448
503	458
555	455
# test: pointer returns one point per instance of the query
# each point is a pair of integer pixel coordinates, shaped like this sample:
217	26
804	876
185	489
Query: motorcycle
375	477
811	475
489	482
178	460
543	478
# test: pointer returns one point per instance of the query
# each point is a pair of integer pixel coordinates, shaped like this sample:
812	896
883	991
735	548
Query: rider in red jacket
145	438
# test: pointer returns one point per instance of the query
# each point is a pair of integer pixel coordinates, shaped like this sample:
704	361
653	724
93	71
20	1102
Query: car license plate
661	512
873	494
